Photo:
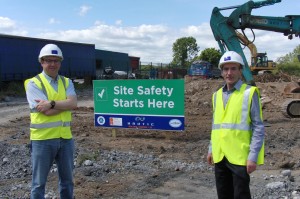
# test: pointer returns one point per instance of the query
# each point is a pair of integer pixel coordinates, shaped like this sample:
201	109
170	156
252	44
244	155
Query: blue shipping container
19	58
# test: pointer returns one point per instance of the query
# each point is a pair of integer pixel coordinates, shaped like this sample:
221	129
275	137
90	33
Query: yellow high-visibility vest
43	127
231	130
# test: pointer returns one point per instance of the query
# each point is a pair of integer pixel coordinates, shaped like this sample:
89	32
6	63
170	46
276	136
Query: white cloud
6	23
98	23
119	22
150	42
153	43
83	10
53	21
9	26
202	34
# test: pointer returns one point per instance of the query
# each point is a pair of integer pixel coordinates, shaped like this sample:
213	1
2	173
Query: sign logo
139	119
175	123
227	58
101	120
115	121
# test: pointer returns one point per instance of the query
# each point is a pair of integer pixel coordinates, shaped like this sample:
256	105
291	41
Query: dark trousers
232	181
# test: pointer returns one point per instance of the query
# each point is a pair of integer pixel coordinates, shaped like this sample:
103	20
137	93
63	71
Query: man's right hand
210	159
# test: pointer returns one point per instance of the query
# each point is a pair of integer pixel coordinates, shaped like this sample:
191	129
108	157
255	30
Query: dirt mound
281	77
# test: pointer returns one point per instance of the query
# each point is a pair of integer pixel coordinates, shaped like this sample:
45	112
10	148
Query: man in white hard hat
51	98
237	137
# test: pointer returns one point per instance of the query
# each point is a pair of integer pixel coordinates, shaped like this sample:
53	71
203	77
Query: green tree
184	50
290	62
291	57
211	55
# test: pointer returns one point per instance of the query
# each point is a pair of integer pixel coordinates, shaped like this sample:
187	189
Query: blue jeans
43	155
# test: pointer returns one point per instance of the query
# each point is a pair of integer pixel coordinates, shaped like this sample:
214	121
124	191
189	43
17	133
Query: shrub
289	68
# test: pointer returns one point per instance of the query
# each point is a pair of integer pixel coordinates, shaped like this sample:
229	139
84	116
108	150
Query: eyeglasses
54	61
233	69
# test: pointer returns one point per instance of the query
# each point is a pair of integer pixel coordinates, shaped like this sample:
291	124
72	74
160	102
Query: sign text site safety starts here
141	104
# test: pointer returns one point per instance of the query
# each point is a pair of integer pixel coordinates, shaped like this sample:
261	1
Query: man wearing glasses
237	137
51	98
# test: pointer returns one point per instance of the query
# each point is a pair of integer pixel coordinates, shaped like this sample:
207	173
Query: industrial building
19	58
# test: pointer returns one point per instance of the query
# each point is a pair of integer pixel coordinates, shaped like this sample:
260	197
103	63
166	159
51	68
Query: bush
289	68
15	88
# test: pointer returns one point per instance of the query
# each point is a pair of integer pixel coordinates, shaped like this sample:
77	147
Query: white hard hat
50	50
231	57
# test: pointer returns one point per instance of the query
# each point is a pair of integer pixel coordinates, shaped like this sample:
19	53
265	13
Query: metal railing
150	70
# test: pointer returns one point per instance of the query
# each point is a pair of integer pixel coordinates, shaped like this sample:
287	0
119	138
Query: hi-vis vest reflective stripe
44	127
231	130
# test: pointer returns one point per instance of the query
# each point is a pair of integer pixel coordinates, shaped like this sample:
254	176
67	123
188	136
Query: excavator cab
260	64
262	60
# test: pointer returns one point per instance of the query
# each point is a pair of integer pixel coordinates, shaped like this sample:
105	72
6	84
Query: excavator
224	31
260	63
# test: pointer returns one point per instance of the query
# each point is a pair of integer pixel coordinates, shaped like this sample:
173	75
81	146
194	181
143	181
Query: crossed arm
44	106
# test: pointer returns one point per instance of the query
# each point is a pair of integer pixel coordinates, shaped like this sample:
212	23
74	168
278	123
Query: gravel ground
151	164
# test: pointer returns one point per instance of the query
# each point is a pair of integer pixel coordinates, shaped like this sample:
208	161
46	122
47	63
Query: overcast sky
143	28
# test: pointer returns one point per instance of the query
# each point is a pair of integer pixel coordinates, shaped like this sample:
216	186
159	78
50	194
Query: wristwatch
52	103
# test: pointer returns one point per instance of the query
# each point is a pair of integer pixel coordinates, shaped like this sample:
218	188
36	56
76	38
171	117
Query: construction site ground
151	164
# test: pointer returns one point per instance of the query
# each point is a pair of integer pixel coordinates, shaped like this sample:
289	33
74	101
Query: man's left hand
43	105
251	166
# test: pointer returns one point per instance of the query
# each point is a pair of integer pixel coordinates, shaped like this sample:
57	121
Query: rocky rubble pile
99	165
278	186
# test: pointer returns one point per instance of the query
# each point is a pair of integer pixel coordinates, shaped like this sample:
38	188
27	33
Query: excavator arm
224	28
245	41
259	61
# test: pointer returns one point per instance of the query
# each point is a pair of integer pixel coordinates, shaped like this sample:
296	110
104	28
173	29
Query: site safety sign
140	104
